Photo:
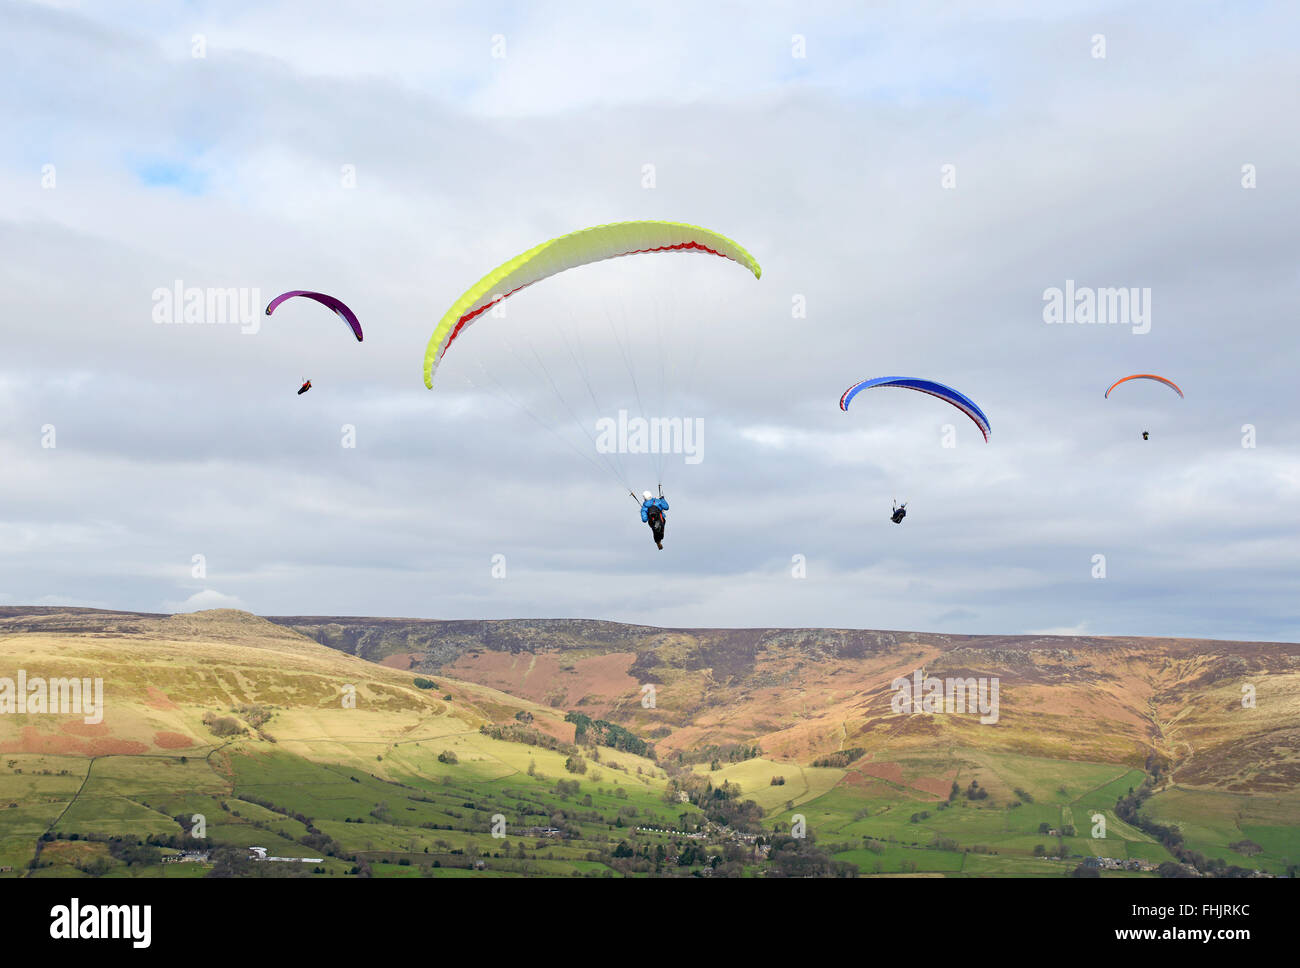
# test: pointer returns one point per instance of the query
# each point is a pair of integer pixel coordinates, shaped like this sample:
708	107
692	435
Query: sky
915	179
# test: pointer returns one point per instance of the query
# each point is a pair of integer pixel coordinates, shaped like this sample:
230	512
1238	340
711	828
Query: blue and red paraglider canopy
959	400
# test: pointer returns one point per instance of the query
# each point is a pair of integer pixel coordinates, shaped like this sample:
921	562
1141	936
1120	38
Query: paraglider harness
900	512
654	516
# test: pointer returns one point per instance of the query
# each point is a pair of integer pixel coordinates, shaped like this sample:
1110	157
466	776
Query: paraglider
567	252
652	513
584	247
946	393
338	307
959	400
1146	434
1145	376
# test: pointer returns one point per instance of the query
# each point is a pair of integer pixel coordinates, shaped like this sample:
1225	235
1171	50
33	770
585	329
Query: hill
801	694
398	747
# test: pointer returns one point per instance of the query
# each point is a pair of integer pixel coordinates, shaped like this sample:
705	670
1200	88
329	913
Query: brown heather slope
798	694
803	693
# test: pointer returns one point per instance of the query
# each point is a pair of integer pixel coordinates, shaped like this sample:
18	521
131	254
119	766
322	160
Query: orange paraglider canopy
1144	376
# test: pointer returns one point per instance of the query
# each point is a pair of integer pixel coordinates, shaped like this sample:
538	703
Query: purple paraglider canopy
337	305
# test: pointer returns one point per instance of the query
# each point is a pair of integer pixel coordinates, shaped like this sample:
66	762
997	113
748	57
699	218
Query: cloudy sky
915	178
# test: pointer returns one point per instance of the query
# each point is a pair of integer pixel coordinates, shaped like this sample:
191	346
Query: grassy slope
153	758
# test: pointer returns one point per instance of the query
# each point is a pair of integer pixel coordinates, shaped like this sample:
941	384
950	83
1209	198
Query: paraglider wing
959	400
337	305
568	251
1144	376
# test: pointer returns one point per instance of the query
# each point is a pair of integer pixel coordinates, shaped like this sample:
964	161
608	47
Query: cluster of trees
841	759
972	792
235	862
801	857
630	858
599	732
131	851
721	804
716	754
222	725
529	737
1129	810
1067	830
255	714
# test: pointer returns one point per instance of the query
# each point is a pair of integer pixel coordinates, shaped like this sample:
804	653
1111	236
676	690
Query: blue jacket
654	502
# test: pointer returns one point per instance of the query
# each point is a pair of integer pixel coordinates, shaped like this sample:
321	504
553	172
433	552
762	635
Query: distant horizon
664	628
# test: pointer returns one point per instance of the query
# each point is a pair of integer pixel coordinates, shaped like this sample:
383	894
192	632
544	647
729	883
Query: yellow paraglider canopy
566	252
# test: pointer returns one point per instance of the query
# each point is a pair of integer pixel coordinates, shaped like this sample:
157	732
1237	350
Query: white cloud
183	440
1080	629
208	598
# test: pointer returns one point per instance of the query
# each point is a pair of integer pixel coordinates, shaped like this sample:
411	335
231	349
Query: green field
433	819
